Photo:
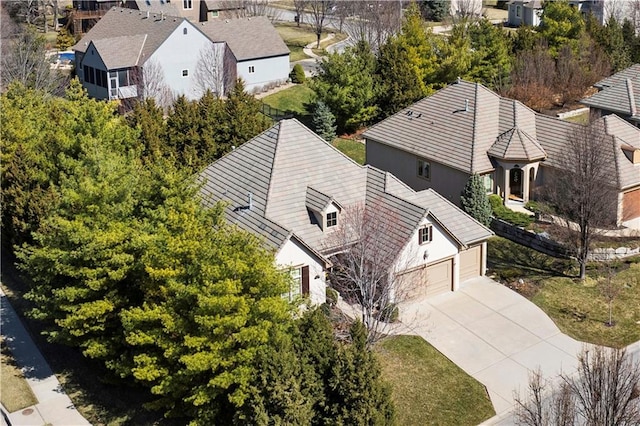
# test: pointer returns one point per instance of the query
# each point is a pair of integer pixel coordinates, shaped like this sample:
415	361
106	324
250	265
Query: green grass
577	307
15	393
581	311
294	99
296	53
428	388
352	149
581	118
296	38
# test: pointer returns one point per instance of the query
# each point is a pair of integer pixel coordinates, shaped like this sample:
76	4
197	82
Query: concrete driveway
496	336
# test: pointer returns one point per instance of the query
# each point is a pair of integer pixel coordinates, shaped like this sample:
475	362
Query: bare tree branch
604	391
319	12
210	70
367	270
586	194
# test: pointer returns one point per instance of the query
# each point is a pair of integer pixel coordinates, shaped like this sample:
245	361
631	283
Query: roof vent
466	105
147	14
459	80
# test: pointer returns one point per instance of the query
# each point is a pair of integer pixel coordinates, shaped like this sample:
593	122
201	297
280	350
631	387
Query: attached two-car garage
438	278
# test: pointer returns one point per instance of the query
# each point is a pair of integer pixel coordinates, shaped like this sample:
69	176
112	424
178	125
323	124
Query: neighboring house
465	128
619	94
528	12
220	9
138	54
294	190
466	8
130	52
524	12
260	57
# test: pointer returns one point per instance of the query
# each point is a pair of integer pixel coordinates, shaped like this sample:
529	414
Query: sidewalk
54	407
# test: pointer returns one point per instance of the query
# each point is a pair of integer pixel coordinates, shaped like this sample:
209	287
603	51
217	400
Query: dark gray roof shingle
289	169
248	38
631	72
120	25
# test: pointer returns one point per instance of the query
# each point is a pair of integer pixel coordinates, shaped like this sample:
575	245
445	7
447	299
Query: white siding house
302	207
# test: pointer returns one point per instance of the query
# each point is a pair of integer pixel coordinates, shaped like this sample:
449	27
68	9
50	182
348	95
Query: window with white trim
296	283
187	4
518	11
425	234
252	69
424	169
215	13
332	219
185	73
487	180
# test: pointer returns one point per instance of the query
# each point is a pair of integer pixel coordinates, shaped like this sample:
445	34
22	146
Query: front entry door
515	183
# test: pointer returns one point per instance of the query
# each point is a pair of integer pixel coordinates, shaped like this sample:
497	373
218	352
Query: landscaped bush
508	215
332	296
389	313
297	74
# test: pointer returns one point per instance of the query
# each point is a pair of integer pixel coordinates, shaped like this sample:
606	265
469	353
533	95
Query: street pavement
54	406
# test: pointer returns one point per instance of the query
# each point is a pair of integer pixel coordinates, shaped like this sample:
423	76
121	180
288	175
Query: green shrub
64	40
389	313
297	74
332	296
508	215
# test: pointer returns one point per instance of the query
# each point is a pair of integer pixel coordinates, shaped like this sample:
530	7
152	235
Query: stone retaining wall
528	239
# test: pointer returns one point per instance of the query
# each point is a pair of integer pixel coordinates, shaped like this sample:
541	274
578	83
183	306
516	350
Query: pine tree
400	83
324	122
475	201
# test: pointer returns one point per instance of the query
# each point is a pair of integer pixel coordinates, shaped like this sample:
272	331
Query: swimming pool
66	56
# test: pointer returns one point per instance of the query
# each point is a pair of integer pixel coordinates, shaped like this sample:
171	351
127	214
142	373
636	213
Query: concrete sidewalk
54	407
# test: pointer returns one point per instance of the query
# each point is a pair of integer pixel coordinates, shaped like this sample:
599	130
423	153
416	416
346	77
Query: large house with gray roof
465	128
618	94
137	54
295	191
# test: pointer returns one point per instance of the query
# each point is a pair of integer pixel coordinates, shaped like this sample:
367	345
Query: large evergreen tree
400	83
345	83
491	59
474	200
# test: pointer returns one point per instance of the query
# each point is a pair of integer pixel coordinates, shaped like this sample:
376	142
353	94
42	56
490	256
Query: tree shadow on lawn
510	260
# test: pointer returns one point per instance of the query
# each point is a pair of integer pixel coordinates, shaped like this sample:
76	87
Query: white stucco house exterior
295	191
131	54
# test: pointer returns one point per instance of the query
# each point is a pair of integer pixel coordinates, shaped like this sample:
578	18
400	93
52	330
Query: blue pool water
66	56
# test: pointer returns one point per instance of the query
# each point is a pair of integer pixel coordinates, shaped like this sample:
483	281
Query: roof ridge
475	127
632	101
141	49
273	162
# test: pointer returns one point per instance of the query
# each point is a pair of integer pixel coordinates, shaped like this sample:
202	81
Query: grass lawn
428	388
296	38
15	393
581	118
352	149
577	307
293	100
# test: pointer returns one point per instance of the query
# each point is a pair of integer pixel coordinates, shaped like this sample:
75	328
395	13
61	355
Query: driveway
496	336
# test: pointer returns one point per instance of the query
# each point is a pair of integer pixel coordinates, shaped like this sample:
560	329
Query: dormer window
332	219
425	234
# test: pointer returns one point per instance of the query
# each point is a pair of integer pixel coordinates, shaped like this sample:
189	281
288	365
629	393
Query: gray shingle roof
289	169
631	72
515	144
118	23
155	6
455	126
248	38
120	52
628	174
463	124
620	98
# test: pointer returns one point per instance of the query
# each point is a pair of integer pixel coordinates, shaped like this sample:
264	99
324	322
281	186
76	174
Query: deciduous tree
585	198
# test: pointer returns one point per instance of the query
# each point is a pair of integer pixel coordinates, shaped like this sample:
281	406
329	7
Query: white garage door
470	262
439	278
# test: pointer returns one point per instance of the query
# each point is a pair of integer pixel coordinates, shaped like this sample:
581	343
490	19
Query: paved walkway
54	407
